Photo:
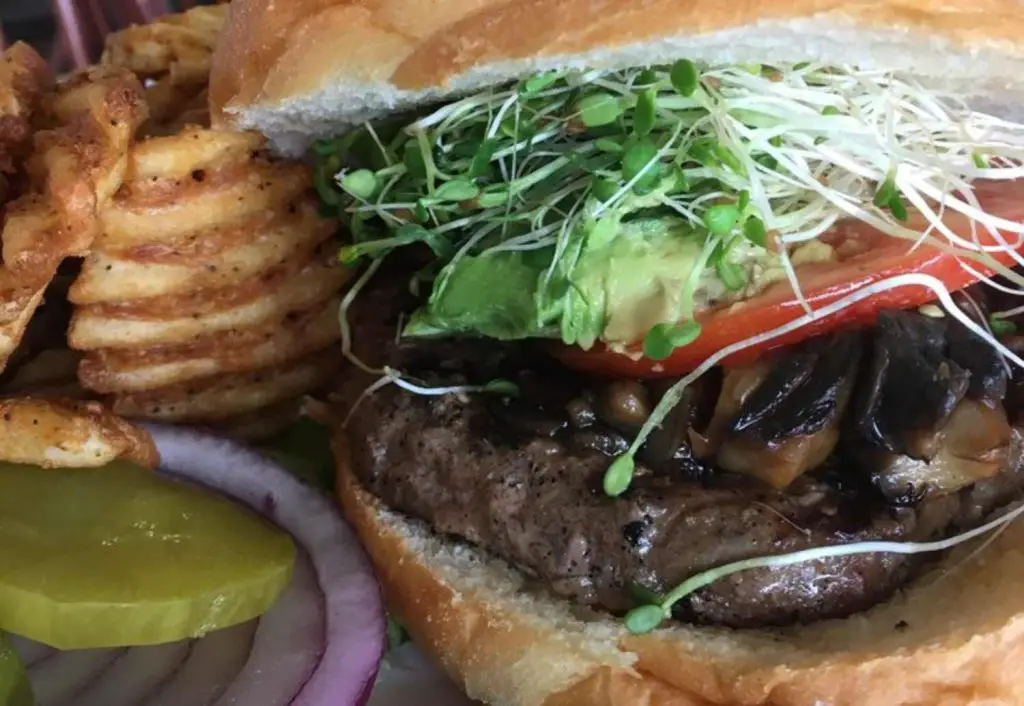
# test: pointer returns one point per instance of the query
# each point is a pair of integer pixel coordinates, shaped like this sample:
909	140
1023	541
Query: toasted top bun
303	69
954	636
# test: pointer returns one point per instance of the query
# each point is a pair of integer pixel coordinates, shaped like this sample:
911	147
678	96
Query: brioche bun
954	636
304	69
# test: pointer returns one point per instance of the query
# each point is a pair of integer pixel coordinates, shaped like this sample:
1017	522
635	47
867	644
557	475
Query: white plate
406	672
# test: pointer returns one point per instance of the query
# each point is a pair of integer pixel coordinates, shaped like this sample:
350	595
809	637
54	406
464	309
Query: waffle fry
208	289
135	369
157	271
211	294
69	434
175	320
180	156
223	397
173	55
84	128
77	165
180	45
24	77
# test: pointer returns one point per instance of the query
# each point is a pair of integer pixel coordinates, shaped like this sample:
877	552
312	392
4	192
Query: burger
682	354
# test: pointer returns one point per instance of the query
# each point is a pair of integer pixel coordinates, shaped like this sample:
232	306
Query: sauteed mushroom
787	414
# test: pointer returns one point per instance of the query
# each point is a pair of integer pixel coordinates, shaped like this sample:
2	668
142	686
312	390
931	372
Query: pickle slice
15	689
120	556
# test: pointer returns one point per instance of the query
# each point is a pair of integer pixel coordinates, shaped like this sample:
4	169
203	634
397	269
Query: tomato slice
865	255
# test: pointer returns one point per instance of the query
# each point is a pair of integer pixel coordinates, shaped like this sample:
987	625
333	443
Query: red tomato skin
822	284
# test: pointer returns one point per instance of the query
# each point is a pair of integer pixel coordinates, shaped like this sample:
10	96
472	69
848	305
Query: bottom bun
955	636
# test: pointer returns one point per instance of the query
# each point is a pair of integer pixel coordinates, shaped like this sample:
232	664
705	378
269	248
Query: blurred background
70	32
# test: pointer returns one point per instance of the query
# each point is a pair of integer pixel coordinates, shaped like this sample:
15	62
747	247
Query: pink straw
82	26
74	36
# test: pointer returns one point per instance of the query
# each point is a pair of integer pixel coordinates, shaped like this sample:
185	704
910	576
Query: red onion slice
134	675
320	645
290	639
213	664
57	679
354	621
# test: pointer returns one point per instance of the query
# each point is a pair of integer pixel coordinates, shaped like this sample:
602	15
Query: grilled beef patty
521	477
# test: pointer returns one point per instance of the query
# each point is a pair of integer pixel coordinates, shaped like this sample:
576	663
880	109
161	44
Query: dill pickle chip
15	689
119	556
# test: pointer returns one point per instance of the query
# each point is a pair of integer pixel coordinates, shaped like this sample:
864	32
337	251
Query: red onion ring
60	677
320	645
289	640
214	663
134	675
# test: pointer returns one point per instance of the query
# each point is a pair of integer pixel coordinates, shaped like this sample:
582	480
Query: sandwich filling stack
699	320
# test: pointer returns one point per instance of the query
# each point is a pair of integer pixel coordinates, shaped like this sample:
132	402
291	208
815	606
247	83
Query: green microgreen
604	189
1001	326
502	388
684	77
646	79
607	144
619	475
412	158
731	274
898	208
644	115
728	158
639	157
456	190
889	196
703	151
663	339
721	218
598	109
482	155
646	618
743	201
536	84
680	182
515	167
405	235
886	191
